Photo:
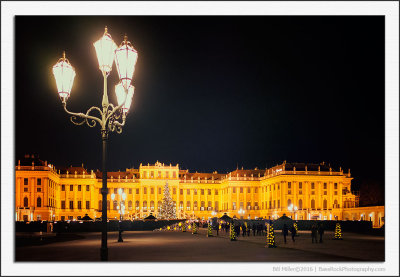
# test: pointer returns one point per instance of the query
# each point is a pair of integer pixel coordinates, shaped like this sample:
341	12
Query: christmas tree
233	234
338	231
209	231
271	237
194	230
184	227
295	227
168	209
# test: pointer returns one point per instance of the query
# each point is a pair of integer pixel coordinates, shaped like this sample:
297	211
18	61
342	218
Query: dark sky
211	92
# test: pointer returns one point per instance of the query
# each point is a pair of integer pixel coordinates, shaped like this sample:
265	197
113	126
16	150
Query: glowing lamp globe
112	196
119	191
105	48
124	196
125	61
64	74
121	93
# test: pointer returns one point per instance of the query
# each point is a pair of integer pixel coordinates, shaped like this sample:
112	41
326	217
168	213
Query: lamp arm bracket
90	120
115	109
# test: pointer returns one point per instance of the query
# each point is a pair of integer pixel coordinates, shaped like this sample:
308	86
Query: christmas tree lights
338	232
232	234
194	230
295	227
184	227
209	231
168	209
271	237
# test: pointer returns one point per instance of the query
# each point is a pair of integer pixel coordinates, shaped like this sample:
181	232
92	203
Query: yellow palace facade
301	191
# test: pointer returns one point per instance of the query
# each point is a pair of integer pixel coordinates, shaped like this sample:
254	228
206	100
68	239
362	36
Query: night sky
212	93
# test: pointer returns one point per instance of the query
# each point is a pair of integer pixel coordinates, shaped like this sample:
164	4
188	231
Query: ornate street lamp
293	209
112	118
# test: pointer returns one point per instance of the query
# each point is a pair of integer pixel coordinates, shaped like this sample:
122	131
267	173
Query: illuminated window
63	204
39	181
216	192
325	185
151	174
130	191
248	206
216	207
248	190
71	187
159	205
130	205
289	192
256	205
209	206
115	190
335	192
234	191
312	185
144	190
195	206
87	205
289	202
152	191
241	190
87	187
300	204
289	185
39	202
255	190
152	206
300	185
71	204
202	206
325	204
241	205
279	204
79	188
188	205
144	174
181	192
202	191
137	191
25	181
195	191
159	174
233	205
335	185
181	205
115	204
313	192
188	191
209	192
312	204
79	205
137	205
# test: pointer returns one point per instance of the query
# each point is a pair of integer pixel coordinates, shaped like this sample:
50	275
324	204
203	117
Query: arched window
289	202
137	205
248	206
100	205
195	206
115	204
300	204
312	204
159	204
39	202
181	205
325	204
152	206
202	206
209	206
26	202
145	206
216	205
188	205
130	205
335	204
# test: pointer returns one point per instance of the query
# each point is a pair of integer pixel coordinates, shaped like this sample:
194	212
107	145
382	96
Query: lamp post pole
112	118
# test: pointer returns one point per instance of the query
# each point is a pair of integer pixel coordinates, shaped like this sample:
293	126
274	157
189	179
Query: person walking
253	226
285	232
314	233
293	232
320	232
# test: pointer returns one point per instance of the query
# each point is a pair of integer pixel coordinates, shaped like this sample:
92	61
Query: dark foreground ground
174	246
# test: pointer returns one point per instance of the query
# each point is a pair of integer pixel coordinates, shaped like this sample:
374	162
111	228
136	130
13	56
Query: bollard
271	237
209	231
232	234
194	229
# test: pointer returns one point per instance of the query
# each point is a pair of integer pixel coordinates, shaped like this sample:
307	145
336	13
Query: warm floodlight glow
125	60
120	92
64	74
105	48
124	196
119	191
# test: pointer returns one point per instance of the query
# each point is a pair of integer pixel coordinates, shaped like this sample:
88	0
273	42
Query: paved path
174	246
